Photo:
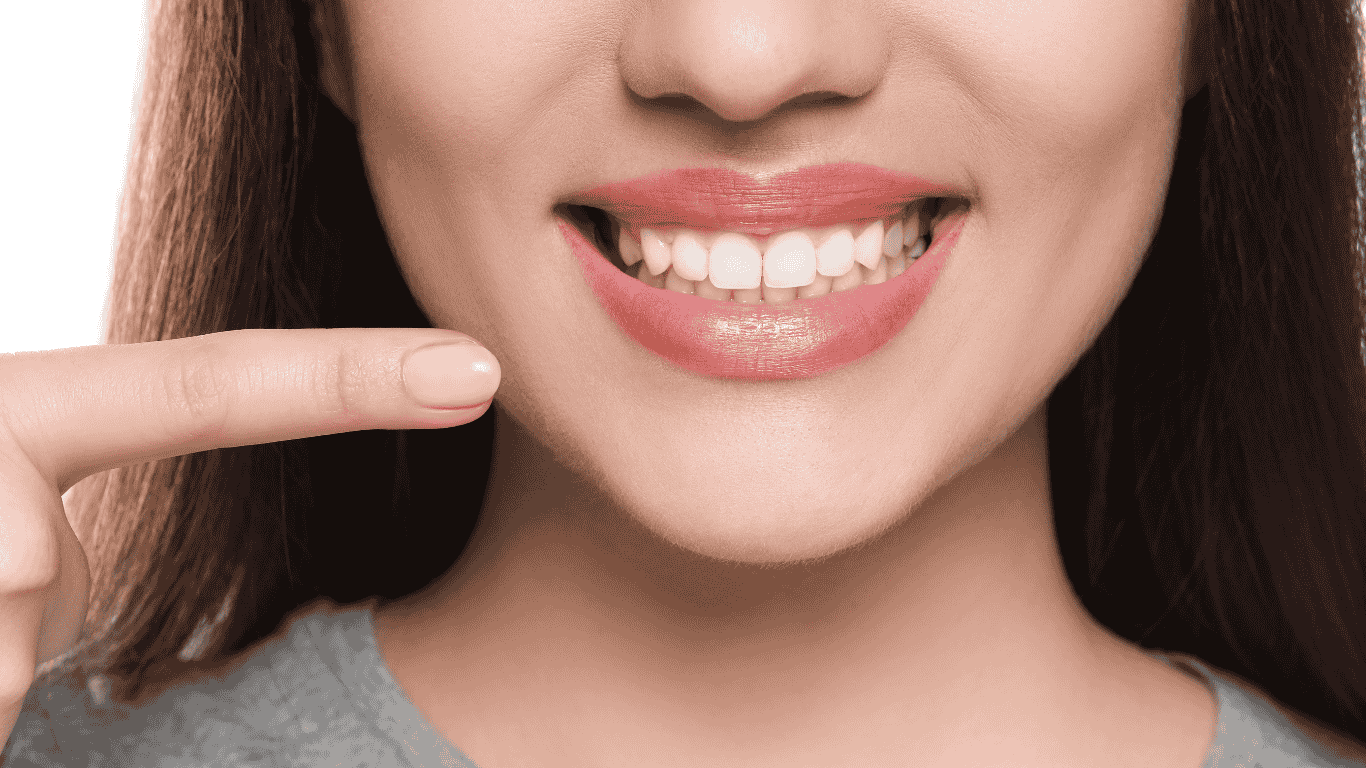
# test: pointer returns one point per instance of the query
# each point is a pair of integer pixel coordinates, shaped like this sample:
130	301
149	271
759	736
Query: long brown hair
1208	453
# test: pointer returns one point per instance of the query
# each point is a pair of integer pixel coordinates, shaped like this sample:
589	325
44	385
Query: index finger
82	410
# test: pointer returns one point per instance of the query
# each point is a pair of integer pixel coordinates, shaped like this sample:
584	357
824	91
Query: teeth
879	275
656	251
643	275
895	266
868	245
790	261
708	290
915	225
799	263
819	287
835	256
891	243
629	248
735	262
676	282
747	296
910	230
689	256
851	279
779	295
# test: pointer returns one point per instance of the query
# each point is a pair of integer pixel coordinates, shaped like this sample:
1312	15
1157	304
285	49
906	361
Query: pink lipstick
796	340
720	198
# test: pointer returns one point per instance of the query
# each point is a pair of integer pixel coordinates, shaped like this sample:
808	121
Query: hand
69	413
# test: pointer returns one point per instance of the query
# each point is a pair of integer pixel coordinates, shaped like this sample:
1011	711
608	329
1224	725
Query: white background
69	75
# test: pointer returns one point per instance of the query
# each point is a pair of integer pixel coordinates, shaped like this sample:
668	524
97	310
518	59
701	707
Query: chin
774	522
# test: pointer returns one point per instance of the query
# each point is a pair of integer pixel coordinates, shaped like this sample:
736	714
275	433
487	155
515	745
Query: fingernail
451	375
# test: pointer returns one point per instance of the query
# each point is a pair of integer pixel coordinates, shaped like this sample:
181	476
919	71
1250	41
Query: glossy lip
801	339
724	199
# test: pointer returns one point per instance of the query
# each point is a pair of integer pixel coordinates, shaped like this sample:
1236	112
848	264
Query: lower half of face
1048	129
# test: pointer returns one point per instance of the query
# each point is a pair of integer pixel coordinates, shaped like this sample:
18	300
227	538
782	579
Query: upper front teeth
835	256
792	259
689	255
734	262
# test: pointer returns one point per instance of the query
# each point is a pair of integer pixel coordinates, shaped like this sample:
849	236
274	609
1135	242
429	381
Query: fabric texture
1251	731
319	694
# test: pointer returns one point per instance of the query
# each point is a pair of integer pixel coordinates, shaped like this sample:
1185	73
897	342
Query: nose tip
743	60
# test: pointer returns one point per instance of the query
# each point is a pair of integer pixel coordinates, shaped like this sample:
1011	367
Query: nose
743	59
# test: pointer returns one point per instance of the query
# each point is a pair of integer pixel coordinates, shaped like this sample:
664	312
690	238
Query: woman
878	384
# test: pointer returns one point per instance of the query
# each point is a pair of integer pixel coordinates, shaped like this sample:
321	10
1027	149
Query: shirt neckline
1248	729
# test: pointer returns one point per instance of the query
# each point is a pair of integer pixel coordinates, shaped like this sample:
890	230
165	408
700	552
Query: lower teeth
886	269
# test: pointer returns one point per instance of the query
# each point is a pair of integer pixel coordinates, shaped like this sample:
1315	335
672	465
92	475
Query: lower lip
801	339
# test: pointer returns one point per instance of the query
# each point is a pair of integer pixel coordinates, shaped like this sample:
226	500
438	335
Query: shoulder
280	702
1255	718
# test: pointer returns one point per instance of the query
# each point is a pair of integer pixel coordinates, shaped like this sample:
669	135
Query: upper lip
725	199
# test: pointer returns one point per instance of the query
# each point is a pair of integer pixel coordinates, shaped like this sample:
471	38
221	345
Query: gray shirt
319	694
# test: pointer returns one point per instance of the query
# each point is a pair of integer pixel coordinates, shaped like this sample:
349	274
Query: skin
857	569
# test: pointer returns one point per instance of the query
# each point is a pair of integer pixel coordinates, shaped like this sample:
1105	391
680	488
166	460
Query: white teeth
629	248
735	262
915	225
676	282
644	276
878	275
707	290
835	256
895	266
790	261
656	251
819	287
799	263
689	256
748	296
868	245
891	244
851	279
779	295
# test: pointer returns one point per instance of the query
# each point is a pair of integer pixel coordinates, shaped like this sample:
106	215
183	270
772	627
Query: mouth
774	269
787	277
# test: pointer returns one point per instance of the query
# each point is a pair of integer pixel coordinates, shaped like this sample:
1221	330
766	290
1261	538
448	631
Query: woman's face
1055	121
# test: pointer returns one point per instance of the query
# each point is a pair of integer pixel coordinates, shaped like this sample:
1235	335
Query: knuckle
199	391
340	385
28	579
28	563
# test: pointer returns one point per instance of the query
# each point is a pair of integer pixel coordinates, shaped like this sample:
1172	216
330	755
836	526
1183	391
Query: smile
799	263
735	278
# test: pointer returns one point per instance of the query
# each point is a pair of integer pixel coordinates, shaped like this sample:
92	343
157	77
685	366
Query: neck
957	616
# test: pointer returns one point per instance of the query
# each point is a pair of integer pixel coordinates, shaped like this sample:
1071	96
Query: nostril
829	98
677	101
673	103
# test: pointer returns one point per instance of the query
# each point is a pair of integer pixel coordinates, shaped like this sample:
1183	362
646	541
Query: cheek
454	102
467	82
1067	80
